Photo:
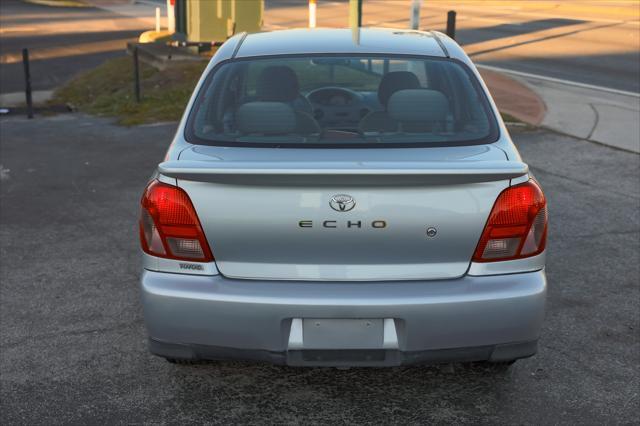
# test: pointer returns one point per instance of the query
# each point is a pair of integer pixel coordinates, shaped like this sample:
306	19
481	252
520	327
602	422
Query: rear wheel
182	361
492	366
499	365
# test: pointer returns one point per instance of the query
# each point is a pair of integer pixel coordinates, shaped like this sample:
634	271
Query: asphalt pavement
591	42
62	41
73	345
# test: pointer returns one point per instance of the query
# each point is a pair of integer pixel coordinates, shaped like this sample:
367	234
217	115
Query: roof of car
334	40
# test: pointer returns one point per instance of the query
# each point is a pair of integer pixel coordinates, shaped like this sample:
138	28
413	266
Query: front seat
392	82
279	83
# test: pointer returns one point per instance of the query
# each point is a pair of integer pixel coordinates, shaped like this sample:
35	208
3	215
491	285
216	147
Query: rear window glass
341	102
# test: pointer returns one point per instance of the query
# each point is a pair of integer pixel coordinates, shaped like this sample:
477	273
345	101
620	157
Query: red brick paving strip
514	98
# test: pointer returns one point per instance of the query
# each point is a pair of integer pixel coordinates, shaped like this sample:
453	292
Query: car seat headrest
394	81
418	105
277	84
267	118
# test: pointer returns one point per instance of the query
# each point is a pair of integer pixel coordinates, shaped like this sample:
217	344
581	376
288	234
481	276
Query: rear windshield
330	101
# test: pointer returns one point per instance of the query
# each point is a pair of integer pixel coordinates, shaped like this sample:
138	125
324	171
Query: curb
592	114
58	3
514	98
16	99
593	141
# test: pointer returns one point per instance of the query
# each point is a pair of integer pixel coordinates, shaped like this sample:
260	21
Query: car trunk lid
279	219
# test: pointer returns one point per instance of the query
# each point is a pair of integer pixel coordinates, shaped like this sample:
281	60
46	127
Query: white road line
17	30
559	81
520	14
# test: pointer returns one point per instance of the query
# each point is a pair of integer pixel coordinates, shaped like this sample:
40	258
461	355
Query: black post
451	24
360	13
136	74
27	82
180	11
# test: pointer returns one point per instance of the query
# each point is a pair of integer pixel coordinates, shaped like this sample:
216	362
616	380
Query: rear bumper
467	319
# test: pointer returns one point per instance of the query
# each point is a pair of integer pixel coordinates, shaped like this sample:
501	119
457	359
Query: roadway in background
591	42
62	41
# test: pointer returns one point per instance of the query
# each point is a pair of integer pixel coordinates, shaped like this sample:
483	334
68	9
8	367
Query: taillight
169	225
517	225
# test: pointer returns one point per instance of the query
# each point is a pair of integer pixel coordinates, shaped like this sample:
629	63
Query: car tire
498	366
491	366
182	361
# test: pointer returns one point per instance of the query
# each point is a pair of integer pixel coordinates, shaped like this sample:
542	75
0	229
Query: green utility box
217	20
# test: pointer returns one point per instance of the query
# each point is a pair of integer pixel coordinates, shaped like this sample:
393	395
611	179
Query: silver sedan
339	198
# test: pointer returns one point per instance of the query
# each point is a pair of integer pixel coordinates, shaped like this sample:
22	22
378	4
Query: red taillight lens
169	225
517	225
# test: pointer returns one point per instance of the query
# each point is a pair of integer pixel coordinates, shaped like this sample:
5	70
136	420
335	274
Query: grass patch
59	3
108	91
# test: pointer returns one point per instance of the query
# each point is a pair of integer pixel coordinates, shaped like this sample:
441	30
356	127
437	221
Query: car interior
339	99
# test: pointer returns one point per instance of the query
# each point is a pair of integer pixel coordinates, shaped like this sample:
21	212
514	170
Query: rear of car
343	206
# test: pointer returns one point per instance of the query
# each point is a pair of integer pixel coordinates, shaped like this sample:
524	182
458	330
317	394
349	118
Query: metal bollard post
451	24
27	82
313	6
136	74
414	20
355	14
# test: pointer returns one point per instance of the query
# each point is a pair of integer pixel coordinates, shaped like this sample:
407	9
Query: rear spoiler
293	173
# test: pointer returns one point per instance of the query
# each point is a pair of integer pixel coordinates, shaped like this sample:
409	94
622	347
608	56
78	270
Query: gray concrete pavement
72	339
600	115
16	99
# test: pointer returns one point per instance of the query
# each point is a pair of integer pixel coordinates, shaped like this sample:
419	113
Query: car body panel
337	41
257	315
455	153
294	239
263	231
